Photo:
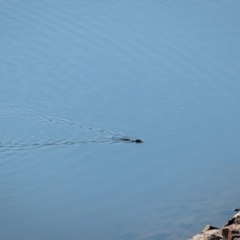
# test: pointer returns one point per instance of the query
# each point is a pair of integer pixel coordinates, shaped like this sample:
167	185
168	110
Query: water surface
76	76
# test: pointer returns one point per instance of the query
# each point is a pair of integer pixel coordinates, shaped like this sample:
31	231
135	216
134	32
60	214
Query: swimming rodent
131	140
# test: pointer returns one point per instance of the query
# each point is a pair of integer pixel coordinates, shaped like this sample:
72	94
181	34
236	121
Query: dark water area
81	82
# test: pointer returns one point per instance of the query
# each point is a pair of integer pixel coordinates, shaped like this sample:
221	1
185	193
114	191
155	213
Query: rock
230	231
208	227
213	234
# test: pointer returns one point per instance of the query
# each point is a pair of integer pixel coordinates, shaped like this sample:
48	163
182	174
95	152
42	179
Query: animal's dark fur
131	140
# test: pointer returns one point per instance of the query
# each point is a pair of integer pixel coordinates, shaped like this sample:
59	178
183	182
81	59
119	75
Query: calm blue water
76	76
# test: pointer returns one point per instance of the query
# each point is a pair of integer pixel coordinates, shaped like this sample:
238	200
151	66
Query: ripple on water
27	129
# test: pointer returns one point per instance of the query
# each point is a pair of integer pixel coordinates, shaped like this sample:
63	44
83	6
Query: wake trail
99	135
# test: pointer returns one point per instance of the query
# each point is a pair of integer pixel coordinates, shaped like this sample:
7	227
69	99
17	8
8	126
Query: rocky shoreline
230	231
